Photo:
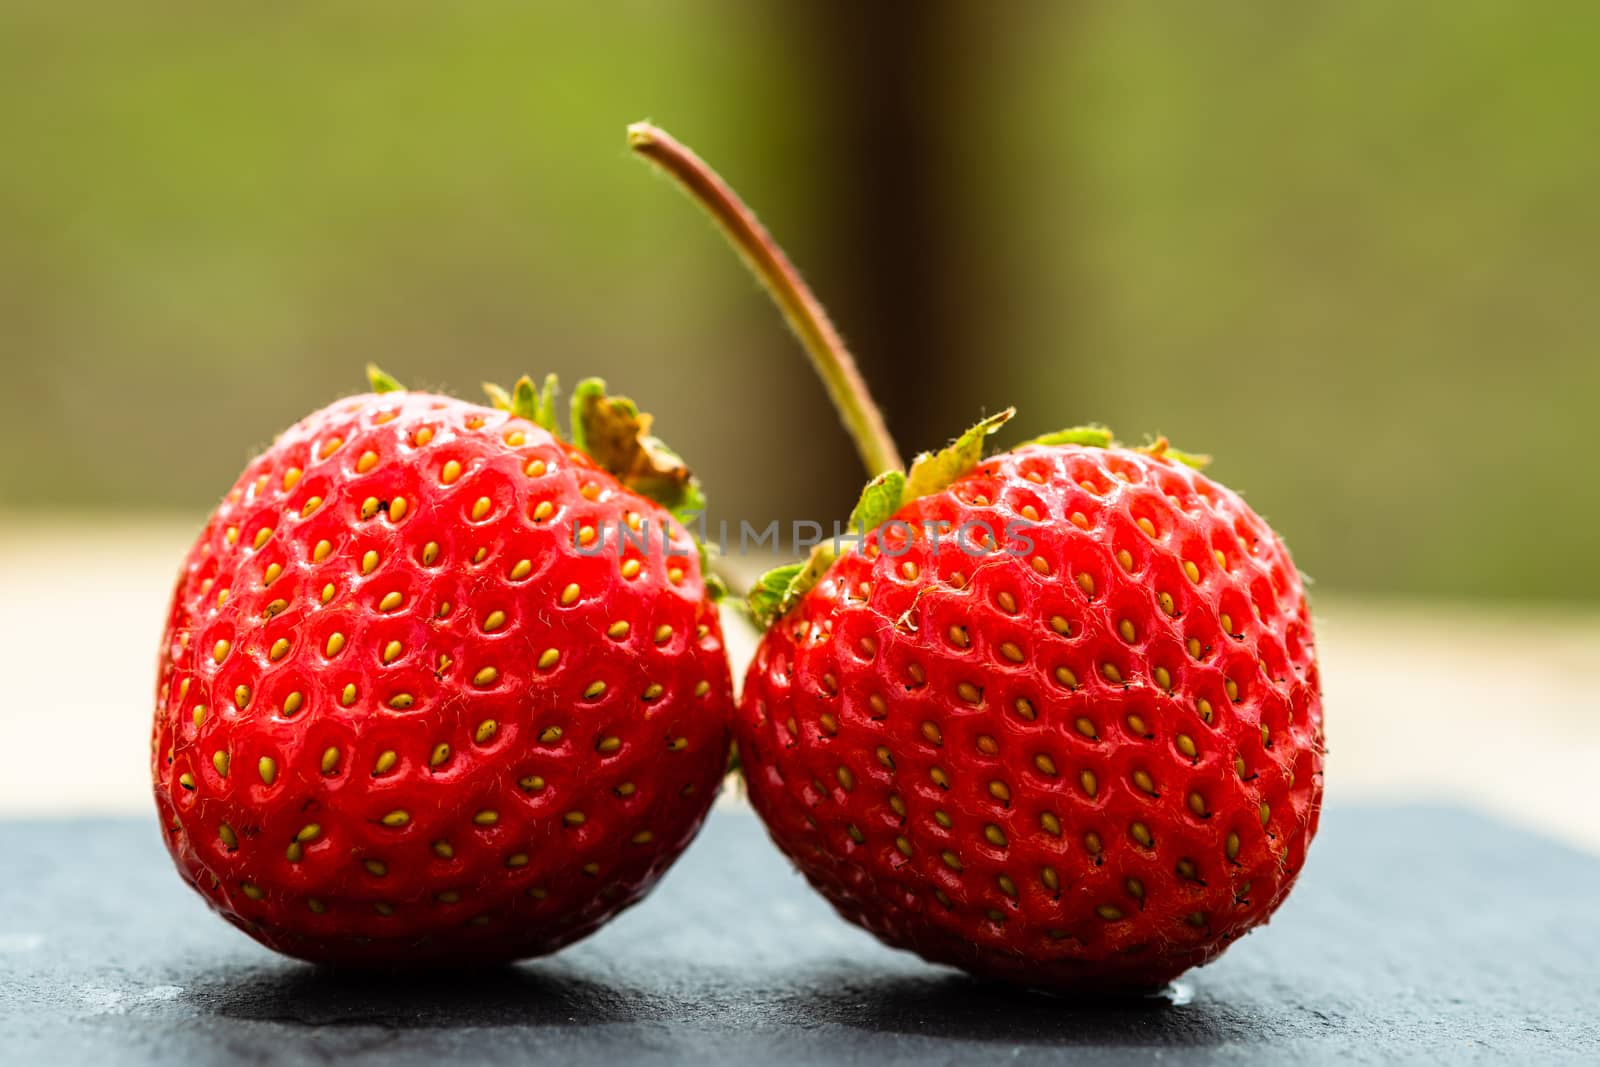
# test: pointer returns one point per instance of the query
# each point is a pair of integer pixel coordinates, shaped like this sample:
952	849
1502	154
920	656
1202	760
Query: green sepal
933	471
1088	436
1161	447
382	381
544	411
499	399
880	499
769	598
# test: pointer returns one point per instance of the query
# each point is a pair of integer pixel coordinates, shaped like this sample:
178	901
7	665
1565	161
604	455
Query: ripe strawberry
420	700
1093	760
1056	719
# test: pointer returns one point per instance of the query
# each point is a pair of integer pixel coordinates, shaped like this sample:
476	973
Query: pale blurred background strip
1492	707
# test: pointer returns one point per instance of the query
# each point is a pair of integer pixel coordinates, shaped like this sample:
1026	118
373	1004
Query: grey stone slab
1416	934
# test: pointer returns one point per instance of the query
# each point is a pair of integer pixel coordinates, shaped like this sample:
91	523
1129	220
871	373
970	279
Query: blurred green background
1347	248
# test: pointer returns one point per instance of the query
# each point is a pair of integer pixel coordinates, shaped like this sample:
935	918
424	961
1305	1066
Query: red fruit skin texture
1087	764
403	717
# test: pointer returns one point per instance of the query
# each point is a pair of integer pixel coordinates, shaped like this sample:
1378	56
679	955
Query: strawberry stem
800	307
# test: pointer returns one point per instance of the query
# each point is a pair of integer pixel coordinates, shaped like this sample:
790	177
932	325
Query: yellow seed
401	701
263	535
1125	560
444	850
1087	728
448	896
931	731
1090	783
368	460
951	860
487	817
369	507
391	651
1205	710
1163	678
277	607
574	818
897	804
267	767
590	491
1233	690
229	838
1091	843
1125	628
1045	764
1137	725
391	601
517	859
335	644
1227	623
903	845
523	568
675	575
1186	745
493	621
1197	804
594	689
1141	833
280	648
1144	782
398	817
1232	846
1168	605
219	651
943	819
231	535
252	890
1266	814
441	752
1086	583
1000	791
485	731
348	696
1186	870
486	676
1050	824
1147	526
330	760
987	745
452	471
309	832
702	687
291	478
481	507
241	697
543	511
846	779
369	562
1222	560
569	595
586	535
535	468
994	835
663	633
1192	571
609	744
397	509
630	568
1111	673
653	691
1011	652
375	868
271	574
320	553
1065	676
222	598
386	761
1039	564
940	778
199	714
1135	888
292	702
1060	625
958	637
219	760
618	629
549	658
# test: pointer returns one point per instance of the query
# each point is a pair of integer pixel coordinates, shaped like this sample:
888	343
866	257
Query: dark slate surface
1416	934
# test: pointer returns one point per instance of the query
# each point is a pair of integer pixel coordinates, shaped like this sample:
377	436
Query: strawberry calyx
611	430
781	588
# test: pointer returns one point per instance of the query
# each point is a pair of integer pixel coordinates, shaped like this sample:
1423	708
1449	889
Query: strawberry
1054	717
423	696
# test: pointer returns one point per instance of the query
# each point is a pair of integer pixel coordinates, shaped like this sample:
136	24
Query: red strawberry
421	701
1057	721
